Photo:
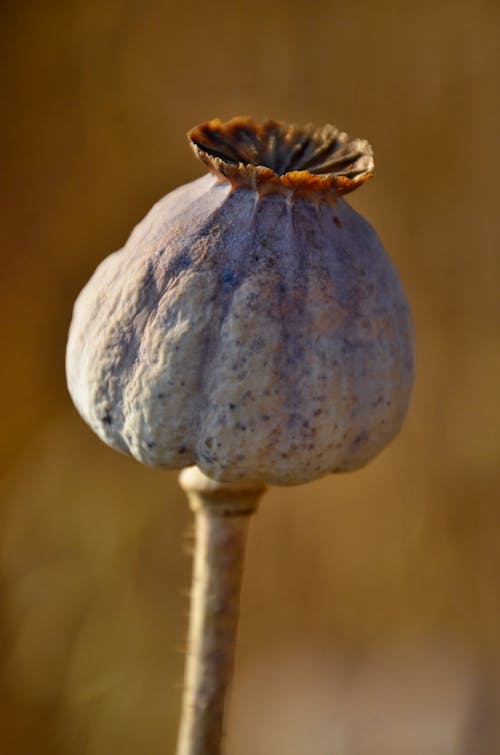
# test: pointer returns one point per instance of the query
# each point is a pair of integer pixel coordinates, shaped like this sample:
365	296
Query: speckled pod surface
253	323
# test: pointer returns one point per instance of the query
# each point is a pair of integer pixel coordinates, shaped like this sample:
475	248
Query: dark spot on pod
240	426
149	277
361	438
208	442
151	444
265	417
181	450
232	406
229	280
180	263
317	412
337	222
107	419
160	395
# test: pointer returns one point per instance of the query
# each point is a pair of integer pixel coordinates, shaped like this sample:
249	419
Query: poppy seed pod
253	323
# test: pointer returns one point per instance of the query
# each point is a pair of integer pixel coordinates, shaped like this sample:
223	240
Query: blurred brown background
371	608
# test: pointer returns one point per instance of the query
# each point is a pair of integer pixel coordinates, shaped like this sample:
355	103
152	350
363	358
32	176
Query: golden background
371	609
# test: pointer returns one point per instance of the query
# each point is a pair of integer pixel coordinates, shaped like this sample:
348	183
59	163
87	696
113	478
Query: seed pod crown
277	157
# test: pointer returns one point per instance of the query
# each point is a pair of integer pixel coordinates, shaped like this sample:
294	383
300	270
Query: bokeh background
370	617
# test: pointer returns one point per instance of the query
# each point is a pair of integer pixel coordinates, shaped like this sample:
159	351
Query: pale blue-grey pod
253	323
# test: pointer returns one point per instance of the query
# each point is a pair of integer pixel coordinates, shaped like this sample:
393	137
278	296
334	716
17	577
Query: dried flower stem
222	512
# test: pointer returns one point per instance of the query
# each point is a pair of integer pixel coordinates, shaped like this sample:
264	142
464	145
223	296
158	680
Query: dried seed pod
253	323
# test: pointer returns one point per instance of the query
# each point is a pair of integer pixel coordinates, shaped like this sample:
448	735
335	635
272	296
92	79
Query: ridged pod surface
253	323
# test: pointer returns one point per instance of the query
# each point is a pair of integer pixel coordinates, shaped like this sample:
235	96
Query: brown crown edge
264	180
